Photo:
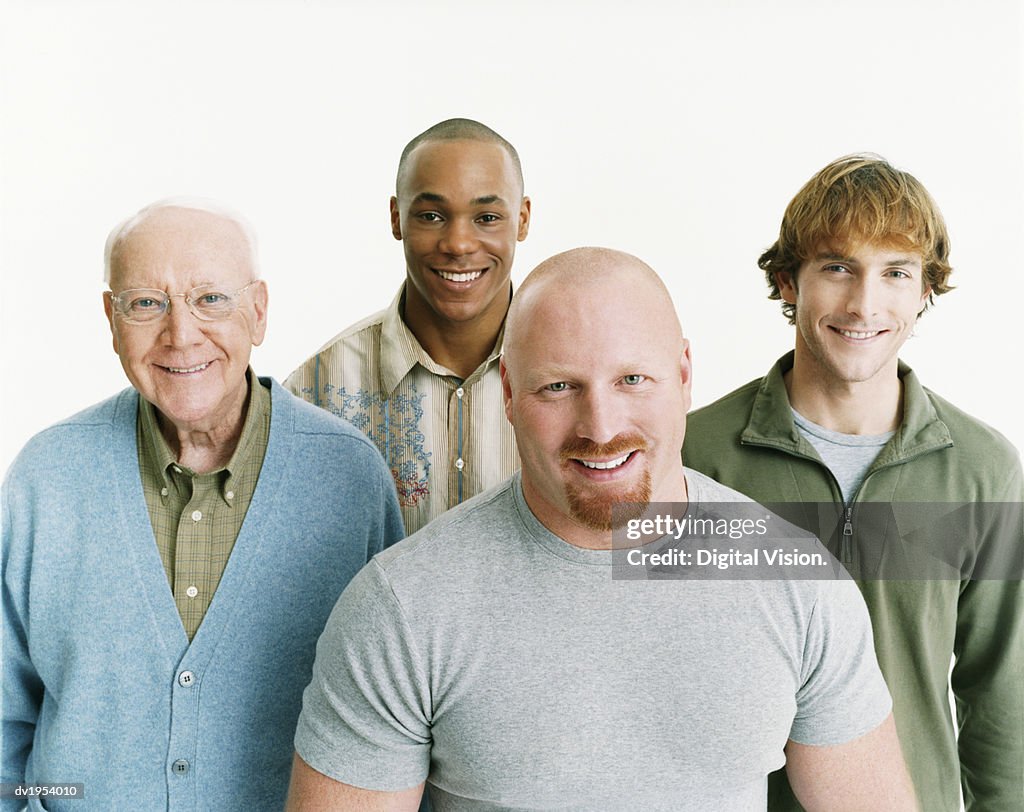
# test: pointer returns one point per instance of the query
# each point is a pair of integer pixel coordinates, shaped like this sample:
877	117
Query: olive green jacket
748	441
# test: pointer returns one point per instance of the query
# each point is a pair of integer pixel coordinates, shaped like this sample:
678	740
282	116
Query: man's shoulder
459	535
714	498
707	490
717	426
72	436
358	331
973	435
734	406
362	337
301	418
354	351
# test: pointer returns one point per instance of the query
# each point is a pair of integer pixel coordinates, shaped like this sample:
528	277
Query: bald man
421	377
170	555
495	657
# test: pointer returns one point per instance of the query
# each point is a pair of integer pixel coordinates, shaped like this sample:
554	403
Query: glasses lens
142	304
211	303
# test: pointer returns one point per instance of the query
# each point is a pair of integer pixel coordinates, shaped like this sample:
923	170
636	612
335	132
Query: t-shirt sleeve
842	693
365	716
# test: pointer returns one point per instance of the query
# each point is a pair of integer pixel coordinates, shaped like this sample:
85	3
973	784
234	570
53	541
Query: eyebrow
897	261
432	197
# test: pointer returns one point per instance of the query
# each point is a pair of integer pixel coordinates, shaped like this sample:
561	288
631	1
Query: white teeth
604	466
460	277
855	334
196	368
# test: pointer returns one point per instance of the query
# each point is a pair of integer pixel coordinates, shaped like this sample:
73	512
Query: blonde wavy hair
860	199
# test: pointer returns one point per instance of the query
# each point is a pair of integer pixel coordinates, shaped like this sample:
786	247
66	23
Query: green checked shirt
196	517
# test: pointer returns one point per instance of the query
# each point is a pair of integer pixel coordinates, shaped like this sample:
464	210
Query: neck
461	346
204	449
874	406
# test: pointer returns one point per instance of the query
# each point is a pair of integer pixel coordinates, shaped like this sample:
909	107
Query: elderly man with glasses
171	555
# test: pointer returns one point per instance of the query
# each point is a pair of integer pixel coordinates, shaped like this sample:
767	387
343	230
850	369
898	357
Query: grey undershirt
847	456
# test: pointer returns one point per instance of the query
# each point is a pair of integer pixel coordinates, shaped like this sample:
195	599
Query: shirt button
180	766
191	591
460	463
163	491
230	494
460	392
186	678
177	470
197	515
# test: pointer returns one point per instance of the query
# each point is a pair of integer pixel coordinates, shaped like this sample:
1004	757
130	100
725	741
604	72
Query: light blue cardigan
93	646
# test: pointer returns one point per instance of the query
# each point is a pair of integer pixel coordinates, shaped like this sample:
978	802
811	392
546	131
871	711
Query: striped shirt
196	517
445	439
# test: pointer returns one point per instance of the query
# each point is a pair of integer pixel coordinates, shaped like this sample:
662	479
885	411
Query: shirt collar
161	455
400	351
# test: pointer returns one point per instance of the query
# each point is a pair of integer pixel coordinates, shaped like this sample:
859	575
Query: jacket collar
771	420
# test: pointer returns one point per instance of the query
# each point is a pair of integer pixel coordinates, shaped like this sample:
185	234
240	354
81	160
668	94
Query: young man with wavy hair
917	498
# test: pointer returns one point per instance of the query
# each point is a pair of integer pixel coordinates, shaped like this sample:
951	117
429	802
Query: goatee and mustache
606	509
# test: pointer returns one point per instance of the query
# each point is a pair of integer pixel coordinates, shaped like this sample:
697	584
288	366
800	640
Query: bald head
584	278
182	221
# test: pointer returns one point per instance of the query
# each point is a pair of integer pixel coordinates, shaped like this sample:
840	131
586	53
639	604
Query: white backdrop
677	131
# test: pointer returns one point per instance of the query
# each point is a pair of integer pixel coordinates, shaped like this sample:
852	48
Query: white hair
124	228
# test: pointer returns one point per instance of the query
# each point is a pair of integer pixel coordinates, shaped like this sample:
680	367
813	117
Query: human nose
181	326
459	238
863	299
598	416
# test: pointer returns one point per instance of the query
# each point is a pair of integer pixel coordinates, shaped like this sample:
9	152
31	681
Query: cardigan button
180	766
186	679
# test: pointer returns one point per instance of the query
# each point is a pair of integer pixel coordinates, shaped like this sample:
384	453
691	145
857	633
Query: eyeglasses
207	302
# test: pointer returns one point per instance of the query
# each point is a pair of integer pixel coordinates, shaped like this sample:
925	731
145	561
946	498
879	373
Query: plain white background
676	131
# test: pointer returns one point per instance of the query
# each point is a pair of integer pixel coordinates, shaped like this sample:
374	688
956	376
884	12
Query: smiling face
597	386
855	307
192	371
459	212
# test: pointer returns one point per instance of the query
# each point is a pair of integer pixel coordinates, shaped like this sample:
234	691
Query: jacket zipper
846	546
846	543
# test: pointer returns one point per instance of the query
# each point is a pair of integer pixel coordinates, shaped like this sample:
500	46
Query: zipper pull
846	549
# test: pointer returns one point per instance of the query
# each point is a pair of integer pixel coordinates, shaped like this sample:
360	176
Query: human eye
898	273
429	217
634	379
488	218
557	386
835	267
211	301
140	302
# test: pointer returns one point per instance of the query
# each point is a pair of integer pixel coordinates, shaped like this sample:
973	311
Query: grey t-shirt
508	668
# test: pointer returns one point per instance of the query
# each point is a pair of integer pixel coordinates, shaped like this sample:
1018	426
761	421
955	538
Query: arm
988	671
22	688
311	791
867	773
365	720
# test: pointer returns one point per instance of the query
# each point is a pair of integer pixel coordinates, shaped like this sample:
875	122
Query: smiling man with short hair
421	378
170	555
843	439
